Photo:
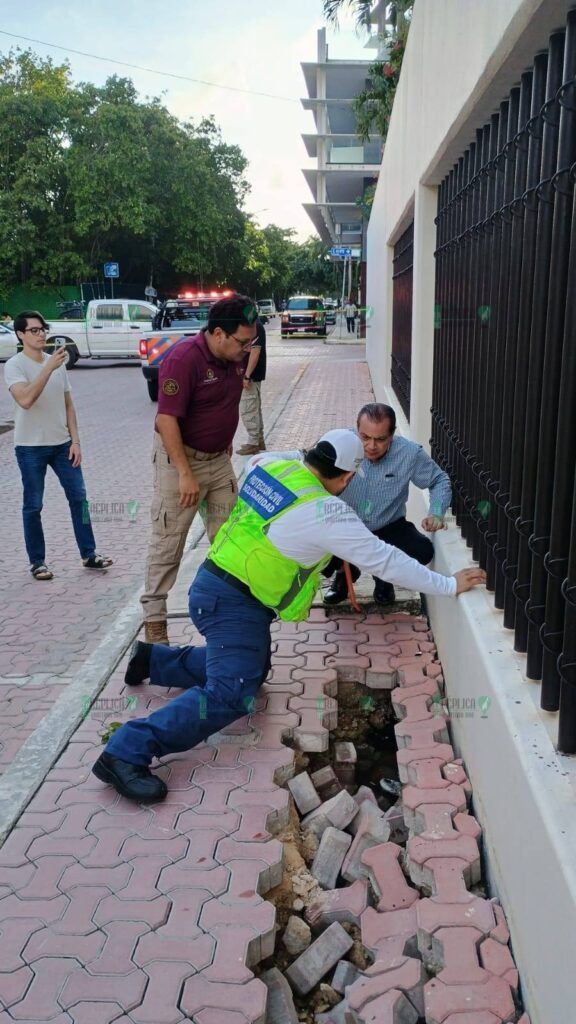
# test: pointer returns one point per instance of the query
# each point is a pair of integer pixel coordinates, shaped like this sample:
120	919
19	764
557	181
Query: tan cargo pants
251	412
170	522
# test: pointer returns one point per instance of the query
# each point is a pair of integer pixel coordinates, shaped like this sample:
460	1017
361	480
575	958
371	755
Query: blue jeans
221	679
33	461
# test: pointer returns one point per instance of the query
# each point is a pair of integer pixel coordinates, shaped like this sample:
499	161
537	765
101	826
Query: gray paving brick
330	855
305	796
280	1007
330	947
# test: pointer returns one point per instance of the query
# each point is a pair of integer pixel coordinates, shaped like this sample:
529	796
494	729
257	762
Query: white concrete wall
463	57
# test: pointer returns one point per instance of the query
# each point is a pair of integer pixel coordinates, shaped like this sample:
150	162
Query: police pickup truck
109	329
175	319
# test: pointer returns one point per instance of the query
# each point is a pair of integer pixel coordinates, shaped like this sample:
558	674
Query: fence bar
545	196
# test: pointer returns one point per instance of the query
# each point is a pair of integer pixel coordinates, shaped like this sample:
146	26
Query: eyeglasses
36	330
243	342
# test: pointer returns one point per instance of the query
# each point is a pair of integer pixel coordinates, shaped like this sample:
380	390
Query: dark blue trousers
221	679
33	461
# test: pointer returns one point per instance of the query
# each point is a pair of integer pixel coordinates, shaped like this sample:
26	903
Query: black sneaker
134	781
336	592
138	667
384	593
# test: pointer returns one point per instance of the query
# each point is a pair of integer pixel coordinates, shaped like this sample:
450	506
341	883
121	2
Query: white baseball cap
348	451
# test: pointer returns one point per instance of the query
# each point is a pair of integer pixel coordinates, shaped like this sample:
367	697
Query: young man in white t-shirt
46	434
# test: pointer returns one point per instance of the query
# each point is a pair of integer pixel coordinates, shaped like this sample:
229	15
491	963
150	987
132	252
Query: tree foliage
92	173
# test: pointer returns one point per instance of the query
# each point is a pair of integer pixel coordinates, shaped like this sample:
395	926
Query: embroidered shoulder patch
170	387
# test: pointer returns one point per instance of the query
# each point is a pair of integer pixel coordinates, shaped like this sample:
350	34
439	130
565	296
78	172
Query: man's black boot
134	781
337	591
384	593
138	667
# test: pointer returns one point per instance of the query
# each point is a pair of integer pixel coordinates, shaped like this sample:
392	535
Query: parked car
331	307
266	309
304	313
175	320
8	342
111	329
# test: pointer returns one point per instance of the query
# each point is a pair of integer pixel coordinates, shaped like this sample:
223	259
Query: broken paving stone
372	829
344	975
325	782
297	935
345	758
280	1007
365	793
305	886
338	812
344	905
298	904
330	947
391	1007
399	832
305	796
332	850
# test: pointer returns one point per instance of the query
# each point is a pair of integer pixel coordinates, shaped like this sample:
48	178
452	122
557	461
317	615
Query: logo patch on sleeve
170	387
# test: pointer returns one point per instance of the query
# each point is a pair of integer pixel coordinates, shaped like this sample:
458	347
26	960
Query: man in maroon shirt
201	383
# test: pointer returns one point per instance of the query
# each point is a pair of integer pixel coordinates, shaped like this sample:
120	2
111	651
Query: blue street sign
111	270
340	250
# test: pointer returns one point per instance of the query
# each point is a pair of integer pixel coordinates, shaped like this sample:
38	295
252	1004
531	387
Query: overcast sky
252	44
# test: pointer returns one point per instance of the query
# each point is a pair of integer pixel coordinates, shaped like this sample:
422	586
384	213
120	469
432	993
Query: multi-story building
346	166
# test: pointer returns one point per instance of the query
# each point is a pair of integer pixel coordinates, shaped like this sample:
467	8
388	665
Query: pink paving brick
497	959
422	735
408	757
201	994
127	989
345	904
397	925
420	850
390	1008
480	1017
456	950
500	932
469	912
493	994
160	1003
382	864
408	977
13	986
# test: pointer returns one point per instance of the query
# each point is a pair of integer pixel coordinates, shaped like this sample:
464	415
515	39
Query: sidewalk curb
43	747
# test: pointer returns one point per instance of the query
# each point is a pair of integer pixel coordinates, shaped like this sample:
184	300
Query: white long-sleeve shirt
328	526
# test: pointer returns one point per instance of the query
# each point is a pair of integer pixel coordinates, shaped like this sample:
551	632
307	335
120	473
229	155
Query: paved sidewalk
55	633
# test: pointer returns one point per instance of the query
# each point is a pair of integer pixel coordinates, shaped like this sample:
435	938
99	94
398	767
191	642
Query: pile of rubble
392	903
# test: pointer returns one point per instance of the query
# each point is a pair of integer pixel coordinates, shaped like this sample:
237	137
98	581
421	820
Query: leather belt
233	581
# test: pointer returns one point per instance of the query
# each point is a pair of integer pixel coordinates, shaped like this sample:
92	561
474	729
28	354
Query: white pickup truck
111	329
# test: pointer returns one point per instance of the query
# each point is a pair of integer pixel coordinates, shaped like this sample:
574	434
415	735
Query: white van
266	308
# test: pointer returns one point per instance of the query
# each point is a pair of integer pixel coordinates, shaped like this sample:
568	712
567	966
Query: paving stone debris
280	1007
345	759
344	975
338	812
325	782
330	947
297	935
345	904
305	796
371	829
328	861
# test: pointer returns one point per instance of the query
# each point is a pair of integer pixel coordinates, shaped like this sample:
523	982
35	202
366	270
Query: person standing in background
350	312
46	434
251	401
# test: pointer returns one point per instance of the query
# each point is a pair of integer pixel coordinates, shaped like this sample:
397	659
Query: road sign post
342	252
112	270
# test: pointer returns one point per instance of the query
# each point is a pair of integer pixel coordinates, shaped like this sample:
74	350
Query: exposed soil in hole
365	718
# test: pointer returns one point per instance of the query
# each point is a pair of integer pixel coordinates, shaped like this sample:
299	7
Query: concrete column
425	208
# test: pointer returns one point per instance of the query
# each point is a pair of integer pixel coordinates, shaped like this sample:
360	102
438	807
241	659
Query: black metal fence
504	390
402	318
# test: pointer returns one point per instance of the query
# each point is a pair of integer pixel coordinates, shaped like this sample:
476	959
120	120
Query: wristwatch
249	379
